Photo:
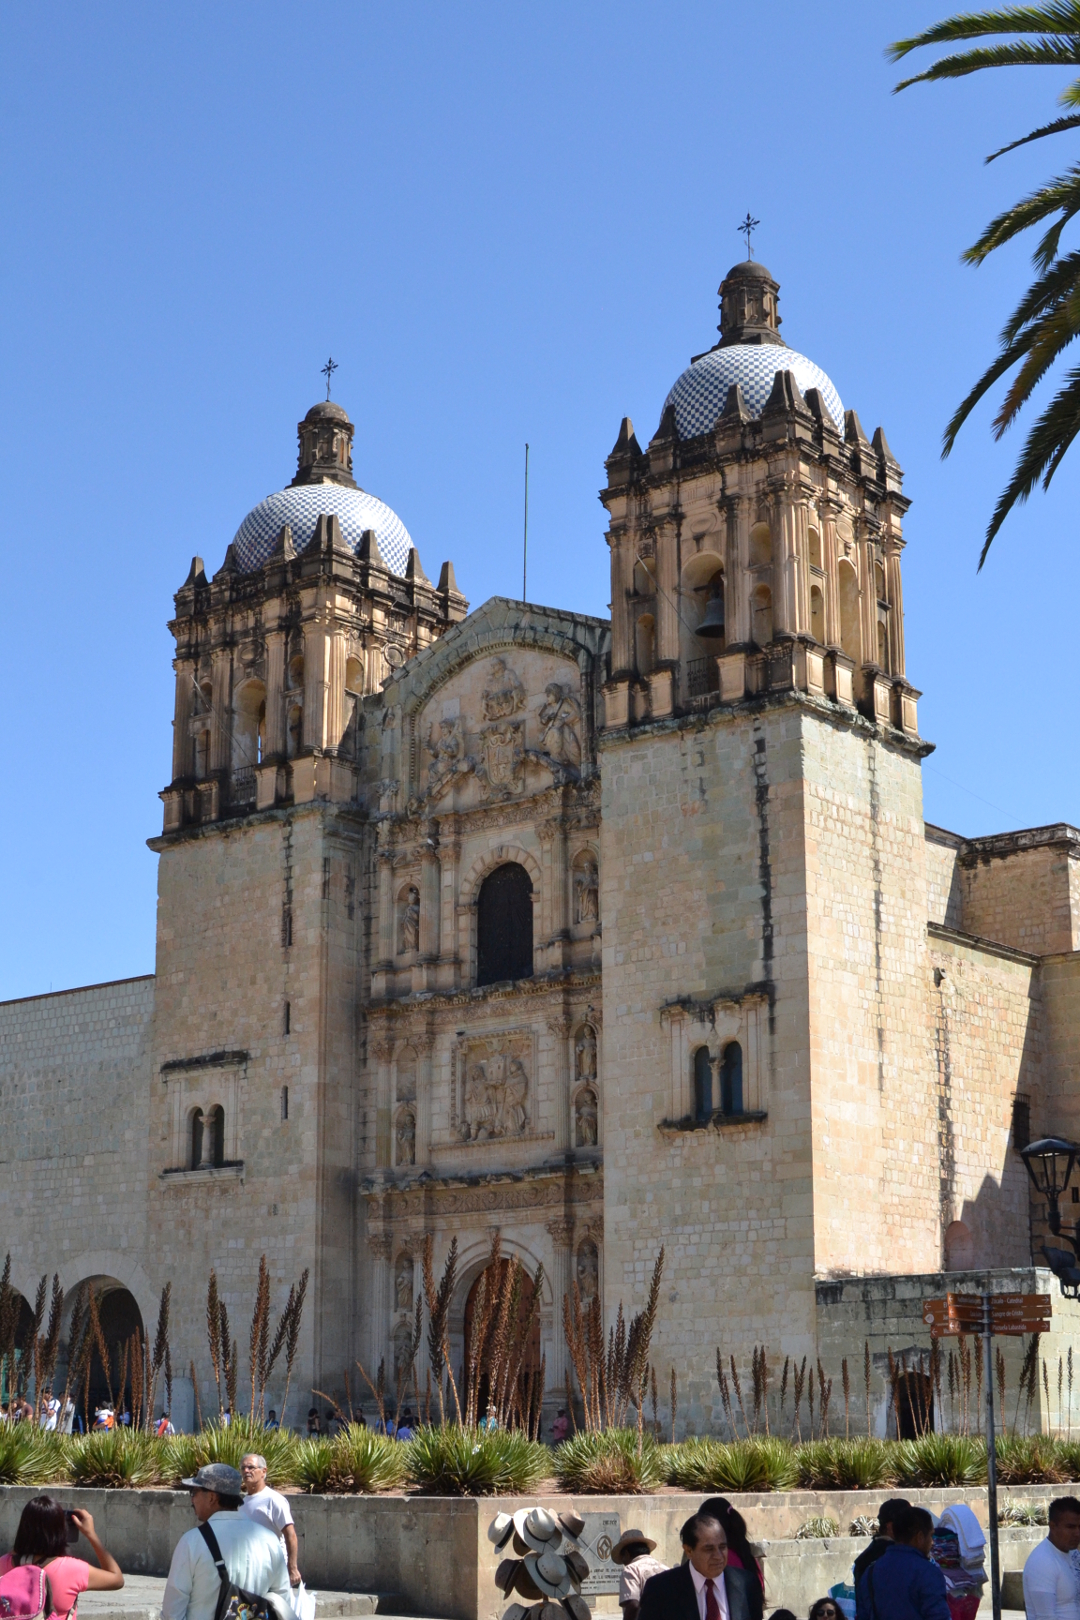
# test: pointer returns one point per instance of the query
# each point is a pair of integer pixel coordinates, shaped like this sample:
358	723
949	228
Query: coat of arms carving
502	740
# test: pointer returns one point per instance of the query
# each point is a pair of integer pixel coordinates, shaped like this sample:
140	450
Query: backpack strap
215	1552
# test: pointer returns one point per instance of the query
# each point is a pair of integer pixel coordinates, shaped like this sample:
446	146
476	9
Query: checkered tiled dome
700	394
302	505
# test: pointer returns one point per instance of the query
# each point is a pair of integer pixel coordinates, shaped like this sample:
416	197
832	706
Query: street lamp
1050	1163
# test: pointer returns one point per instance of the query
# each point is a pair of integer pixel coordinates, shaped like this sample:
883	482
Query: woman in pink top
41	1539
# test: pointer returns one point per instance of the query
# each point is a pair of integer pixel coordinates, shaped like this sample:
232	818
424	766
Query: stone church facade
608	936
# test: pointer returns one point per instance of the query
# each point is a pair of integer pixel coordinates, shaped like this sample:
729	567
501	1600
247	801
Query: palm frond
1071	121
1050	339
1007	358
1046	53
1059	16
1043	450
1059	196
1051	288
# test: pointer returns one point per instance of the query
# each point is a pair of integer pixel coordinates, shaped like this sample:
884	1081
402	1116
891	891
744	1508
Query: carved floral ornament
494	748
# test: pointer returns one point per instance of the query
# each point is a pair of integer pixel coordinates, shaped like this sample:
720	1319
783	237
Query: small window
731	1100
288	1018
703	1103
817	613
214	1138
284	1104
1021	1123
195	1157
504	925
813	543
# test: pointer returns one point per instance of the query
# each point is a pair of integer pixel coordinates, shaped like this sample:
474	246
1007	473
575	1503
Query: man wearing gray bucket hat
251	1554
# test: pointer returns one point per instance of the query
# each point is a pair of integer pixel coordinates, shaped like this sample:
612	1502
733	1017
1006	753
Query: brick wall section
73	1094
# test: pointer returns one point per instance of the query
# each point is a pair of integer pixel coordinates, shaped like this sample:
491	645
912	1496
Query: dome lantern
325	436
749	305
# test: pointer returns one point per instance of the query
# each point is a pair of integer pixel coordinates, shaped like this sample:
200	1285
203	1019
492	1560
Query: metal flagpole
991	1454
525	542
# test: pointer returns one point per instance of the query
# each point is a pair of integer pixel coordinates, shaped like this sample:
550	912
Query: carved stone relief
402	1352
585	1055
586	1118
560	716
588	1270
494	1087
409	937
406	1138
504	694
586	892
403	1283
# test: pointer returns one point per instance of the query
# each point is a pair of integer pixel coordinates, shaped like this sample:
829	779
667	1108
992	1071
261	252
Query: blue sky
506	223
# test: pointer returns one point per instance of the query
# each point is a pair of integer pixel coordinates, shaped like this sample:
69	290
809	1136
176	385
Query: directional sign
1011	1314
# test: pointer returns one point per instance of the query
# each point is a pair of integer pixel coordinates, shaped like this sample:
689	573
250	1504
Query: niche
586	1118
405	1137
817	613
813	547
403	1282
703	1103
850	640
760	545
408	920
586	889
645	644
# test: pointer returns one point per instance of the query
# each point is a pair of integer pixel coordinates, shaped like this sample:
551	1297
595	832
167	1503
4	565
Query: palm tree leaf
1056	284
1061	194
1047	53
1051	338
1043	450
1055	128
1059	16
1008	357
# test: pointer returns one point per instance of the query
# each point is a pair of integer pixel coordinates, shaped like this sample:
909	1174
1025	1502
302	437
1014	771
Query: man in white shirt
1052	1572
251	1553
270	1508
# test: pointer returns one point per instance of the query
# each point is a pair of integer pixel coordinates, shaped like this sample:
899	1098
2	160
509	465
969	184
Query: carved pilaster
425	1047
829	511
380	1247
383	1053
429	894
559	1029
274	725
562	1238
386	908
221	700
183	708
894	586
622	573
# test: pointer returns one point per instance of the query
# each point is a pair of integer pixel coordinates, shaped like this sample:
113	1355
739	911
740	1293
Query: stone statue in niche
504	694
586	1123
585	1054
406	1138
403	1283
560	716
410	922
588	1271
496	1094
586	892
402	1353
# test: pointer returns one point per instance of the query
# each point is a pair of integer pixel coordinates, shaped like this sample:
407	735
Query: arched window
214	1138
817	613
882	645
760	545
504	925
703	1103
731	1079
645	638
195	1140
813	541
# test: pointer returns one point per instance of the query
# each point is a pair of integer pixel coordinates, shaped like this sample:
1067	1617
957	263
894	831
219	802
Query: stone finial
284	549
749	305
785	397
369	549
735	406
414	568
881	445
853	431
626	444
447	583
325	437
669	427
196	574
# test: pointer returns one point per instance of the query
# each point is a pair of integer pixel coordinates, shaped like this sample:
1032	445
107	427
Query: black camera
72	1527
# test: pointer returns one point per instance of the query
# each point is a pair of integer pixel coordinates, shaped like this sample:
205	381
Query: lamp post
1050	1162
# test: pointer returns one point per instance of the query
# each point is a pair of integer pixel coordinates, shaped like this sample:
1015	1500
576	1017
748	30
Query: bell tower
763	881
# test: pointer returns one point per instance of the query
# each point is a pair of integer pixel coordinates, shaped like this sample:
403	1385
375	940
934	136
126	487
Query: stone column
221	701
893	585
622	574
183	707
559	1030
449	857
380	1245
425	1047
736	559
387	942
274	729
383	1053
562	1243
830	559
316	682
785	565
867	594
666	563
334	724
429	893
544	922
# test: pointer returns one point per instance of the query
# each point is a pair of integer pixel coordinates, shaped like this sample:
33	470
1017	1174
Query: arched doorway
520	1395
121	1320
15	1375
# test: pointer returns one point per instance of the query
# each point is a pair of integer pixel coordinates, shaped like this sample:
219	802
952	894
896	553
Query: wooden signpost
985	1315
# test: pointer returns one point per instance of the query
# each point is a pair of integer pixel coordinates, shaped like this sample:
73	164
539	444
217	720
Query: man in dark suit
703	1588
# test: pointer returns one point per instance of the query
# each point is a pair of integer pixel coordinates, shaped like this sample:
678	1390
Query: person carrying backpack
227	1566
38	1578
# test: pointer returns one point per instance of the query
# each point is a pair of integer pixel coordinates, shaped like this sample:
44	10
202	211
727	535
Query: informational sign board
601	1532
1011	1314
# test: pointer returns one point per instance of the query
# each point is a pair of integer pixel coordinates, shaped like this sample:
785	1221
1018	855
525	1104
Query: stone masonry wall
74	1096
943	888
1021	895
251	918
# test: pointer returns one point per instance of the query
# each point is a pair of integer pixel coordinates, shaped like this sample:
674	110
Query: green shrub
845	1465
760	1463
313	1463
817	1530
459	1461
1069	1457
362	1460
941	1459
1031	1459
184	1454
115	1459
29	1457
611	1464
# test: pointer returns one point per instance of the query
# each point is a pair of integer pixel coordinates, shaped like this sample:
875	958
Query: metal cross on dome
748	226
331	365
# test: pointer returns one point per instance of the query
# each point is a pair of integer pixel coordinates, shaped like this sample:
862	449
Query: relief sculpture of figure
446	749
410	922
403	1283
587	893
481	1106
495	1100
504	693
559	718
588	1271
585	1052
585	1116
406	1137
514	1114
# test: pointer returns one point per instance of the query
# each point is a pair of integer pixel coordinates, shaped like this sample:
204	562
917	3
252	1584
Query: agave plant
115	1459
845	1465
29	1457
612	1462
313	1464
759	1463
1031	1459
941	1459
362	1460
183	1454
1047	319
461	1461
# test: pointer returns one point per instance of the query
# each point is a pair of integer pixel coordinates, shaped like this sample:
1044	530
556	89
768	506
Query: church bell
711	627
